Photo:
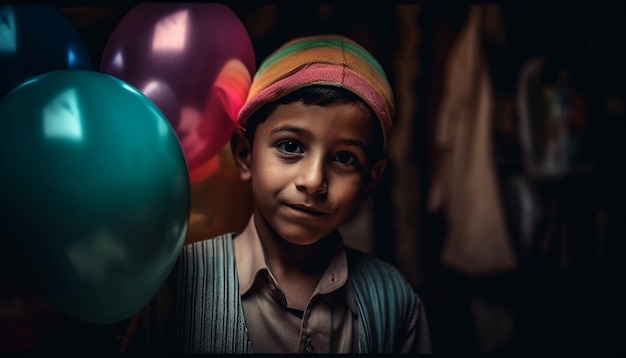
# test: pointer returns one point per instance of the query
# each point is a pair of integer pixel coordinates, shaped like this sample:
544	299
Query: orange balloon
221	202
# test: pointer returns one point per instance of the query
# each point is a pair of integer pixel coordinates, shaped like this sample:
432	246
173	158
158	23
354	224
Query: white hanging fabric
465	184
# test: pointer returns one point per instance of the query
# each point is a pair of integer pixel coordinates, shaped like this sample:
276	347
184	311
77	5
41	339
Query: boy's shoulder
369	267
219	239
378	284
218	246
358	257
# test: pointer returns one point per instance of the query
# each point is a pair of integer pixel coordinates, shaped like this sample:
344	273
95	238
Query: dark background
564	296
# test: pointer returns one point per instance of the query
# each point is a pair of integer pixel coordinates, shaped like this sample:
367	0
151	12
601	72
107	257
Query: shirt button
308	347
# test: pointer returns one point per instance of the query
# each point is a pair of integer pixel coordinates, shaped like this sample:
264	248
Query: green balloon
94	194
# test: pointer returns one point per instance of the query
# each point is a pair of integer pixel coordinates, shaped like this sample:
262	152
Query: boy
312	139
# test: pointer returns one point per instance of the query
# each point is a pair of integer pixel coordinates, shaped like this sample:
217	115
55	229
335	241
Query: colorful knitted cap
321	60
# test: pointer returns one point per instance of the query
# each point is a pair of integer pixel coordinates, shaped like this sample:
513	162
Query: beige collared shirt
274	325
327	325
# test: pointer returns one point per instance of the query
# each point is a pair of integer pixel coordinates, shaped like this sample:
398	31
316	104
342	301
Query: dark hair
319	95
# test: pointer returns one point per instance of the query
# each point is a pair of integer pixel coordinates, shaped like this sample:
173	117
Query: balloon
221	202
194	61
35	39
94	194
24	322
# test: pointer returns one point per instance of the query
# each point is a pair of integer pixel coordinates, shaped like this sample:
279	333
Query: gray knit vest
206	322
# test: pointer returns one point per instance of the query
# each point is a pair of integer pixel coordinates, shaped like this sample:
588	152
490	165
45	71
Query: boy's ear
241	150
375	174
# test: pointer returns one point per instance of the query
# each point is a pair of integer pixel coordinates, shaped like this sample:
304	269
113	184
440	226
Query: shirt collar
249	257
250	261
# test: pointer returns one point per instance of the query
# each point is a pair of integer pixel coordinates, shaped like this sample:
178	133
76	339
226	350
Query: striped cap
321	60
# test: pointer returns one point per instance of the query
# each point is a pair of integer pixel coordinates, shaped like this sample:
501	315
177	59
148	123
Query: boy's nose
312	178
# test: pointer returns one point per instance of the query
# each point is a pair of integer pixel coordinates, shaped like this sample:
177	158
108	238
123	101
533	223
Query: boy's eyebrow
301	131
288	128
356	143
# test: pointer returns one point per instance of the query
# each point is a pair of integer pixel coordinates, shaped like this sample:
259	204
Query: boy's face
310	166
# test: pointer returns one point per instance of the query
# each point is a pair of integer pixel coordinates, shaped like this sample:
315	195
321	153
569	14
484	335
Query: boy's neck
297	268
306	259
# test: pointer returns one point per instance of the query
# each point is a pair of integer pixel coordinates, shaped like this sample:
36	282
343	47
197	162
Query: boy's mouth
307	209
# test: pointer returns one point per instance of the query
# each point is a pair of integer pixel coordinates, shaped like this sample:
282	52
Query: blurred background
503	204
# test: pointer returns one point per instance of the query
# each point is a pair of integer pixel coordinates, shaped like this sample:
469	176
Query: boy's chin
300	236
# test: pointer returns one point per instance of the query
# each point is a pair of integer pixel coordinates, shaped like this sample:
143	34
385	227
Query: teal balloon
94	194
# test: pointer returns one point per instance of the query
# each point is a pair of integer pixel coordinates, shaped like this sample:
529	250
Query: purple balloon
194	61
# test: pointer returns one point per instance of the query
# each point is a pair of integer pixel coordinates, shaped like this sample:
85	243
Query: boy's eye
290	147
345	158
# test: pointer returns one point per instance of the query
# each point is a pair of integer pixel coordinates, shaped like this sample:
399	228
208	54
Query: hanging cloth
465	184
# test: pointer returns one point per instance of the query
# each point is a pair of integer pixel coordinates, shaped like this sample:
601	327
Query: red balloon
195	61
